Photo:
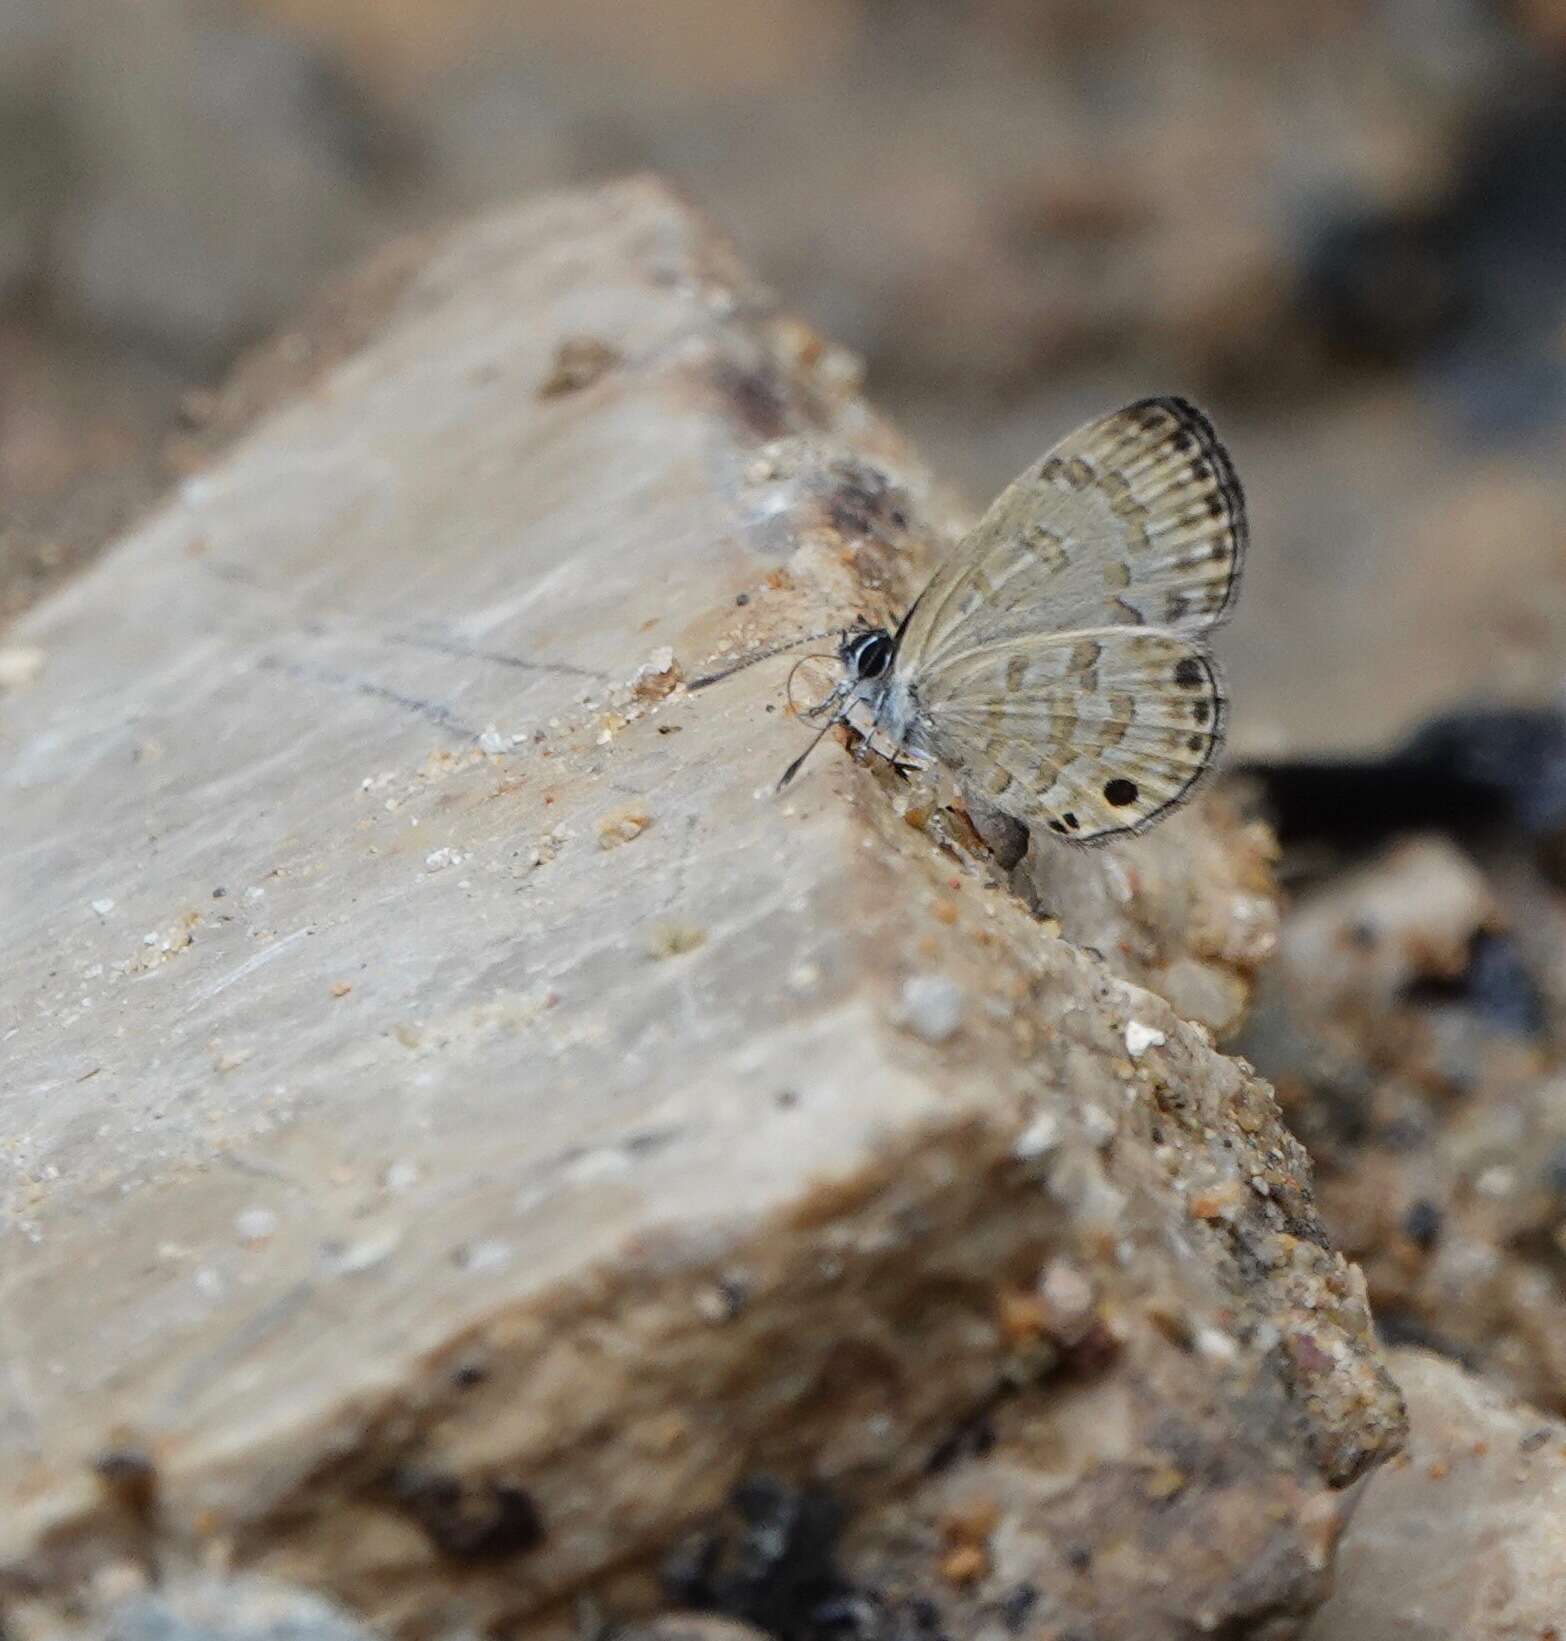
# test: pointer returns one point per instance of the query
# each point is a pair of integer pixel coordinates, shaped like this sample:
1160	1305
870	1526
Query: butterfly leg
828	703
867	737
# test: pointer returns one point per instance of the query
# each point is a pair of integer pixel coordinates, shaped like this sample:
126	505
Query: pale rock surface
460	1122
1461	1535
195	1606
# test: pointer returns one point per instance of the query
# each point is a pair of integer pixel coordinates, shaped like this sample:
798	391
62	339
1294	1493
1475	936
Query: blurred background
1341	224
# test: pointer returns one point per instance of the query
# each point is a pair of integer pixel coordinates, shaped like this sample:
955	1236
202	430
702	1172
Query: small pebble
350	1258
1216	1345
675	939
255	1225
1068	1302
485	1255
1496	1181
1222	1200
1163	1483
399	1176
1040	1137
931	1007
1098	1125
621	826
1140	1038
966	1564
722	1302
579	362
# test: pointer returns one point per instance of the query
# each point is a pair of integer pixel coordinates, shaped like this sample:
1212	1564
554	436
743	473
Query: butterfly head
866	655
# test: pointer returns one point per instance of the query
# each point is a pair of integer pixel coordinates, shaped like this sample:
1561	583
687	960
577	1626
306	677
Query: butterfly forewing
1136	519
1055	659
1089	734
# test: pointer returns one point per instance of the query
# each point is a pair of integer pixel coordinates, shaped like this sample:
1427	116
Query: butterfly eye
869	654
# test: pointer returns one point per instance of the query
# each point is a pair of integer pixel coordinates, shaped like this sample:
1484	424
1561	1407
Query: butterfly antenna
760	655
788	689
815	741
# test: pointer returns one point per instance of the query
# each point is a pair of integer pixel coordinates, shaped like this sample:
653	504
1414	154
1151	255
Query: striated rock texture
461	1124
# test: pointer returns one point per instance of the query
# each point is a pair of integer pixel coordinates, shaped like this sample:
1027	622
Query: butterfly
1056	663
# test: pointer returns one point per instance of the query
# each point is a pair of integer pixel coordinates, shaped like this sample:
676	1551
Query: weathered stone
1190	909
197	1607
1416	1050
1409	916
416	1200
689	1627
1463	1533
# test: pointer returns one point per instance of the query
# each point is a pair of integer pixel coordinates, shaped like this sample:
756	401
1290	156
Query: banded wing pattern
1056	658
1090	734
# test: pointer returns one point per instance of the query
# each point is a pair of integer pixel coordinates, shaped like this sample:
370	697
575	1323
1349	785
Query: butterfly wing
1091	734
1136	519
1054	661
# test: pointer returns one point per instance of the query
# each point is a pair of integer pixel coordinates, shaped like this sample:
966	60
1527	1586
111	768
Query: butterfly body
1056	663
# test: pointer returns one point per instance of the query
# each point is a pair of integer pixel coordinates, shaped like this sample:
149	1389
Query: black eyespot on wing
1120	792
1189	672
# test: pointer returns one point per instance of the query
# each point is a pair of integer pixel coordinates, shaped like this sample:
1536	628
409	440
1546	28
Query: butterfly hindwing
1136	519
1089	734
